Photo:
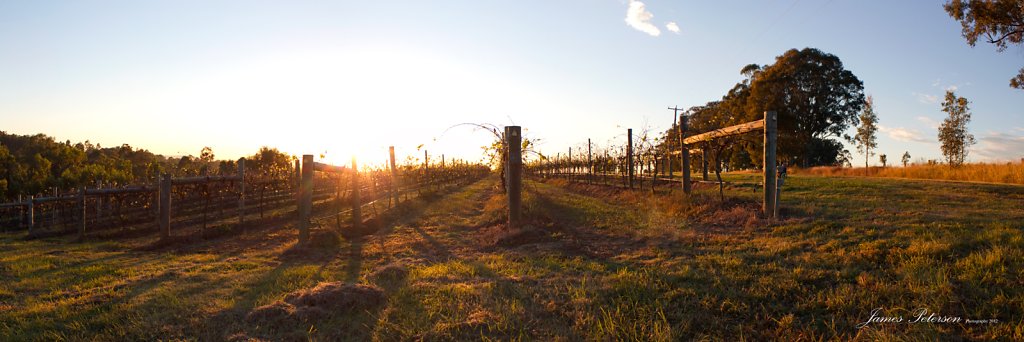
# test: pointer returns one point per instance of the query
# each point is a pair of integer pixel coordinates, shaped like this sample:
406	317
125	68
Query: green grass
603	265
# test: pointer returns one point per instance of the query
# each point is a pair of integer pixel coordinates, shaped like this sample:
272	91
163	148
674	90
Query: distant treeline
35	164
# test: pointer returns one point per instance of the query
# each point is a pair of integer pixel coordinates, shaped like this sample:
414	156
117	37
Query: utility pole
668	155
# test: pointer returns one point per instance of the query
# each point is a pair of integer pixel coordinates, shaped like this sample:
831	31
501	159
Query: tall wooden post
704	161
685	152
568	161
770	136
241	192
81	208
165	206
298	175
357	203
31	214
156	197
629	156
426	167
305	198
53	208
514	174
99	200
394	175
590	163
21	212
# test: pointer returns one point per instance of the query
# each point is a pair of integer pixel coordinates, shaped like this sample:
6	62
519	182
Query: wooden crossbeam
724	132
692	150
329	168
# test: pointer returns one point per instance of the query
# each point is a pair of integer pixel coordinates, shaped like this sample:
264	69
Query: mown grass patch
603	265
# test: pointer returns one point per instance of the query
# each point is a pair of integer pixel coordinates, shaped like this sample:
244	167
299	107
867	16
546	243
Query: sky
350	78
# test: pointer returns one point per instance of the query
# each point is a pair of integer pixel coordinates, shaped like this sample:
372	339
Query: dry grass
1009	173
602	265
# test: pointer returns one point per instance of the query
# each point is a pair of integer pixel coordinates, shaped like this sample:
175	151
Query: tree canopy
814	95
1000	22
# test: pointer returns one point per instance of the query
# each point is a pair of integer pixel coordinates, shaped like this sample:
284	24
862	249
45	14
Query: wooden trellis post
305	197
394	175
165	206
685	151
770	137
357	215
704	162
590	163
31	214
514	175
241	193
629	156
81	208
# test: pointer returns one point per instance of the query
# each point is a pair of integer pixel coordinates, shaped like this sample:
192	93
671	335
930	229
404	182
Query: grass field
1009	173
597	264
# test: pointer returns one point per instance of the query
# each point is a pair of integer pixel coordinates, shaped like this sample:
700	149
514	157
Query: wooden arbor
770	127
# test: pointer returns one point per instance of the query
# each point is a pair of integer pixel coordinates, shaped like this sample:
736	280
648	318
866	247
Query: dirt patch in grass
392	275
319	302
502	236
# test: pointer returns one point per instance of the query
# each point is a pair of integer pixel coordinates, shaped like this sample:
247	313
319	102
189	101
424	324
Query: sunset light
459	170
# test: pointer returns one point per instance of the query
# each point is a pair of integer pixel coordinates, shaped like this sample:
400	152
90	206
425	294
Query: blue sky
352	77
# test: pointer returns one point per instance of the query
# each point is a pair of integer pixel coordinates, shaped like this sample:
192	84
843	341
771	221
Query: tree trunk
867	156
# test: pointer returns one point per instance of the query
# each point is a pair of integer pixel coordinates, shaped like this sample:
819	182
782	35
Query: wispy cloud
671	26
639	18
926	98
996	146
903	134
928	121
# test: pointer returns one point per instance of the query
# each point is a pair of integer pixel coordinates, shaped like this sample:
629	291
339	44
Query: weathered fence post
770	135
156	197
81	207
685	152
514	174
99	200
53	208
298	175
241	193
704	161
394	175
590	163
165	206
629	156
305	197
426	167
31	214
357	214
21	212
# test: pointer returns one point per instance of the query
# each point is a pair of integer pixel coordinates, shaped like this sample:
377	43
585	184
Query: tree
882	158
270	162
845	159
865	138
999	21
953	133
206	155
814	95
906	158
